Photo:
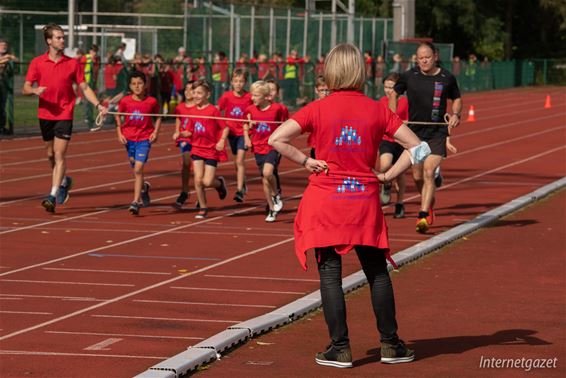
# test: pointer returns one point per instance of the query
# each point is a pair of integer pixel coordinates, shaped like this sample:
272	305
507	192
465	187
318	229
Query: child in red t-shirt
208	137
232	104
321	91
183	141
137	132
275	91
266	116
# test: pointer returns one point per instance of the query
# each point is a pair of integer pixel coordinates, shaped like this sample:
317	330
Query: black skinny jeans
374	266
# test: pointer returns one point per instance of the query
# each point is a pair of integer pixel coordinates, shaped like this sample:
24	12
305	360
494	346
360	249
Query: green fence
21	112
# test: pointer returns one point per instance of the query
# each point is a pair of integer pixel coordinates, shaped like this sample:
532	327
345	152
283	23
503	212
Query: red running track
96	291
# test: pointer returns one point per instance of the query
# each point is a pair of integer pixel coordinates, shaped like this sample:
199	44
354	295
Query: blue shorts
211	162
184	147
237	143
272	157
138	151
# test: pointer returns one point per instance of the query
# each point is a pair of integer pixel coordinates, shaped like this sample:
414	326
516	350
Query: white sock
54	191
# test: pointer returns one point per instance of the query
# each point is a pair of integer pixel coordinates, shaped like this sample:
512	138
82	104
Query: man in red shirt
55	74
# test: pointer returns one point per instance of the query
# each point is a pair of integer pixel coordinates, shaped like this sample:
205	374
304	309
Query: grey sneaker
146	201
134	208
385	194
396	353
335	358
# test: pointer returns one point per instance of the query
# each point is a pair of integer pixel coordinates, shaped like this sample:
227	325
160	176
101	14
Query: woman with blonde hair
340	208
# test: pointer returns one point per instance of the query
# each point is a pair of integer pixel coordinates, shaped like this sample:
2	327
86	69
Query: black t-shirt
427	97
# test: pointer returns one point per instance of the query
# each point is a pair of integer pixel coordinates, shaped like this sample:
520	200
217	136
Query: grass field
25	112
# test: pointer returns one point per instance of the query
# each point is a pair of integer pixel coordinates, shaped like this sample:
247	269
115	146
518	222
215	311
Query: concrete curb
209	350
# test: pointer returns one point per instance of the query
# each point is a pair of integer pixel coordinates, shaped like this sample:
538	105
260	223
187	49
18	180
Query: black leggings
374	266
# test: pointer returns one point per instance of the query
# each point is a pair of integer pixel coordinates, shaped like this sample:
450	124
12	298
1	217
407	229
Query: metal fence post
305	32
320	35
21	37
252	32
231	54
288	36
271	30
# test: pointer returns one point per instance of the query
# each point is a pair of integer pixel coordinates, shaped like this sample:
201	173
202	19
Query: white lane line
149	231
119	208
107	271
262	278
68	283
10	299
65	298
139	238
44	160
104	344
147	288
26	312
42	147
125	335
72	171
506	141
168	319
505	125
38	353
203	303
238	290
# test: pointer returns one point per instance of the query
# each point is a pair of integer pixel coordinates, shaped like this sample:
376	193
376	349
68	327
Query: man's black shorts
393	148
61	129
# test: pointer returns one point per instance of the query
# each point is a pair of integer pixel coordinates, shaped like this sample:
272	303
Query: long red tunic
342	208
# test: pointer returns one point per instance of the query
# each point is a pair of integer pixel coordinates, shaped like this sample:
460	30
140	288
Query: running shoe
134	208
96	127
222	191
239	196
385	194
277	203
399	211
63	194
49	203
437	177
146	201
335	358
180	201
422	225
271	216
203	213
396	353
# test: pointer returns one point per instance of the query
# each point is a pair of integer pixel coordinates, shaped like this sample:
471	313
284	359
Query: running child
275	91
208	137
232	104
137	133
390	151
183	141
263	112
321	91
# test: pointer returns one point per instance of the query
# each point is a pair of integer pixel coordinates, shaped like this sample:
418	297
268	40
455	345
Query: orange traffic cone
547	103
471	115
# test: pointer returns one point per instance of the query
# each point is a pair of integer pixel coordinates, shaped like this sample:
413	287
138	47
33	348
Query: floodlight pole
71	22
94	21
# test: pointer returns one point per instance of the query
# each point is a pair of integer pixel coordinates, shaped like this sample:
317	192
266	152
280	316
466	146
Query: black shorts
393	148
237	142
437	145
56	129
272	157
211	162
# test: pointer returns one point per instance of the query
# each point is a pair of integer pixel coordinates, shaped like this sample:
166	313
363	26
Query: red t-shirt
260	132
402	111
263	70
206	132
138	127
233	107
183	109
341	208
58	101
